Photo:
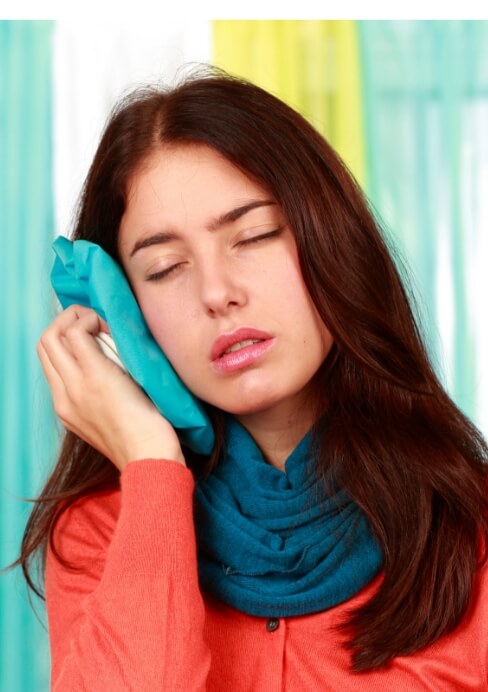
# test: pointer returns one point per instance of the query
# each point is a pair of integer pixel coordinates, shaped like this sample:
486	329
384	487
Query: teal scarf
273	543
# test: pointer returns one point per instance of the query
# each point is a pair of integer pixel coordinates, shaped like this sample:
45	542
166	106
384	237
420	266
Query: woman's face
220	278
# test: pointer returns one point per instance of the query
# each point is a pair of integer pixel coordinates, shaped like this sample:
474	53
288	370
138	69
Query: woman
335	538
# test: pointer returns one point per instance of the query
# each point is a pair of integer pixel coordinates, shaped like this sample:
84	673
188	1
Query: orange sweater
133	618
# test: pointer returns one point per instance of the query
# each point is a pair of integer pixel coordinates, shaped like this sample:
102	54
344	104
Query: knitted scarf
276	544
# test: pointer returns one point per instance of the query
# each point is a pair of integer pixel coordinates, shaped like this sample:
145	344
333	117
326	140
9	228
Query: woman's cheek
167	326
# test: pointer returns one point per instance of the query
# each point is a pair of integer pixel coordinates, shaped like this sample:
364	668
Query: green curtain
27	426
421	82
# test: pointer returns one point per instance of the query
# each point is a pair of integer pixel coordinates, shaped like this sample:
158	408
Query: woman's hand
95	399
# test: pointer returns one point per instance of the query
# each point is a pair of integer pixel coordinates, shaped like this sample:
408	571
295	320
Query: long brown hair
402	449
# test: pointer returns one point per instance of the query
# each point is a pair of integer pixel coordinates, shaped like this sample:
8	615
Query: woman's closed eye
258	238
157	276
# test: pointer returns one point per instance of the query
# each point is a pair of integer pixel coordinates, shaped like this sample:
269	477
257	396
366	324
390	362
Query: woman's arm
133	618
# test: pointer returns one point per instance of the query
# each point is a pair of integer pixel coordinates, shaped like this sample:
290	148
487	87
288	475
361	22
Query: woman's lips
228	339
222	362
236	360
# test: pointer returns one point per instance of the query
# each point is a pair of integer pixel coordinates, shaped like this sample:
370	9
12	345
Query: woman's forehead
187	181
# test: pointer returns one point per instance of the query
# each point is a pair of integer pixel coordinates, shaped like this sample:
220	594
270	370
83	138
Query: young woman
335	537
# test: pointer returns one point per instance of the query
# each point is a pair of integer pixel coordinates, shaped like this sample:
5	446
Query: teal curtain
423	83
27	426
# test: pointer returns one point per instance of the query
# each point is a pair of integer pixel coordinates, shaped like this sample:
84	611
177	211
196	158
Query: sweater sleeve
132	617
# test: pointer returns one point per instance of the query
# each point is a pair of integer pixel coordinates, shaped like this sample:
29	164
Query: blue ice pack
84	274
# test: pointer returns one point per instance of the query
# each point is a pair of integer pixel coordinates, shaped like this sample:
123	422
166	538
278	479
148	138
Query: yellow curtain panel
312	65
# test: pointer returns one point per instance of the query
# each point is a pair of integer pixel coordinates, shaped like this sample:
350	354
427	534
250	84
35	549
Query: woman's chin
240	407
252	405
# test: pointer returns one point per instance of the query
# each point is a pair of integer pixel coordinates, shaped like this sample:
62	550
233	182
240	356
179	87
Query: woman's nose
220	287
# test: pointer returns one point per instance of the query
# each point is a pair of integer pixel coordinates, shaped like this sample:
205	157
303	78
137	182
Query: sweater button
272	624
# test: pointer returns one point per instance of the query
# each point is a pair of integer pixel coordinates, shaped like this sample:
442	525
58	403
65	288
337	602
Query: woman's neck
278	430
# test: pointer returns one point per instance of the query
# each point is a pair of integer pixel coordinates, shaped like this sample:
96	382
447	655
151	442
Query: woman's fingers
73	313
50	372
69	341
68	355
80	338
56	384
59	356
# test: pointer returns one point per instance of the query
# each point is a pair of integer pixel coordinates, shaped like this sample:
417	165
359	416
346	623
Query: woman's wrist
158	459
152	449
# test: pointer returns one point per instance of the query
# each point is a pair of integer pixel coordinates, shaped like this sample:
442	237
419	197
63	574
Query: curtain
26	224
312	65
425	87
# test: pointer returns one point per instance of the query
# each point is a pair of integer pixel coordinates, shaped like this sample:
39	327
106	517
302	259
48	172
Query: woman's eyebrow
224	219
234	214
